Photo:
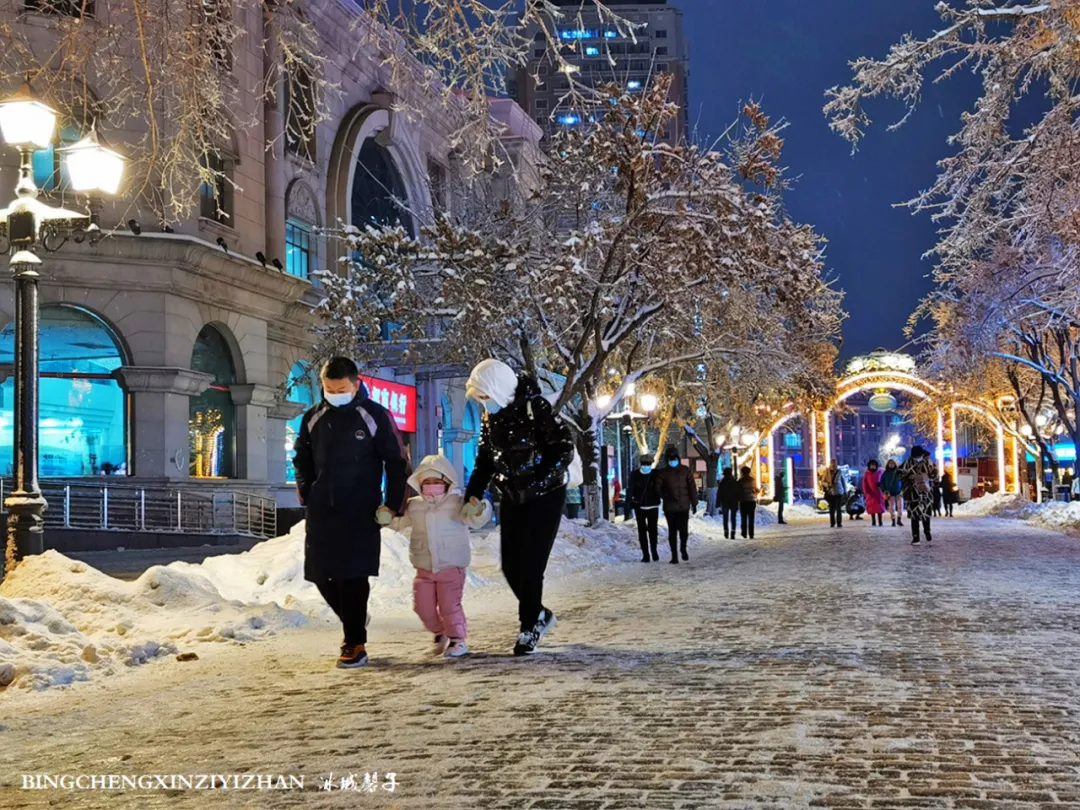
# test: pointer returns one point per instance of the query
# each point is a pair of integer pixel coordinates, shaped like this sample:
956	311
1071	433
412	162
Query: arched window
302	387
83	411
212	415
377	189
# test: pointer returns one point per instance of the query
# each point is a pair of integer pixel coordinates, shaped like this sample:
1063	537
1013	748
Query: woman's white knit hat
493	379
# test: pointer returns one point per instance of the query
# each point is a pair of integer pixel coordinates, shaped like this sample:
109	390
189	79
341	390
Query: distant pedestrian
875	498
949	494
893	486
679	495
346	445
440	551
727	493
937	498
712	465
525	453
780	490
836	488
643	500
748	495
919	476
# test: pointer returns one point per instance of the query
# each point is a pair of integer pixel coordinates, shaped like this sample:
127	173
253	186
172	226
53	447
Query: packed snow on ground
63	621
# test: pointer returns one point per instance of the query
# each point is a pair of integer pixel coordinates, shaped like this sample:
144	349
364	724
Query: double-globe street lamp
28	124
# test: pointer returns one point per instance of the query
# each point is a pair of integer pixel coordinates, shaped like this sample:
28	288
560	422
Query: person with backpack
892	486
836	488
644	501
919	476
679	495
727	493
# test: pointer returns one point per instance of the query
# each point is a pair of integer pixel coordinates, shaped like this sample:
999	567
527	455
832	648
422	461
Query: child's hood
431	467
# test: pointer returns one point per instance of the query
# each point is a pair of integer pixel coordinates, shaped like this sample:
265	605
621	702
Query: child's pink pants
437	601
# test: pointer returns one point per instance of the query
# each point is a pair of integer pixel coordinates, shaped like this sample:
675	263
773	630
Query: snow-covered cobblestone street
808	668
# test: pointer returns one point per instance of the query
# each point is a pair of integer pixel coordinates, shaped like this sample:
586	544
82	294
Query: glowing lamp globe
26	121
648	402
93	167
882	402
603	401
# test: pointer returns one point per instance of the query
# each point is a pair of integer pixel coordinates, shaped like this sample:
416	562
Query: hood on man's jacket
434	467
671	453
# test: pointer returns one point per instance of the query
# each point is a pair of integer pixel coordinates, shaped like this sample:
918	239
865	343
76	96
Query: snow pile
63	621
795	511
1053	515
991	504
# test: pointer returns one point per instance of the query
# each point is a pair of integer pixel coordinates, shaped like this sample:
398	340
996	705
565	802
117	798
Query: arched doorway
83	410
378	196
212	414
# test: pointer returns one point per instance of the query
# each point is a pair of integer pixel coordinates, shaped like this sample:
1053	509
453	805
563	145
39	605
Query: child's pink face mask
432	492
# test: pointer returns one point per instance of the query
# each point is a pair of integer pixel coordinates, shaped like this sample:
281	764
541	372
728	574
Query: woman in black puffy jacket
525	453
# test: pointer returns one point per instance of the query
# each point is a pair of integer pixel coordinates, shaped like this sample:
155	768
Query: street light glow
648	402
93	167
603	401
26	121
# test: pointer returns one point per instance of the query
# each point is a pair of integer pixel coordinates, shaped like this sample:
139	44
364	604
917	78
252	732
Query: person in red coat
875	498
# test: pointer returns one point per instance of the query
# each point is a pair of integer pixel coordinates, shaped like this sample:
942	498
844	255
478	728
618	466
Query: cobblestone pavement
808	668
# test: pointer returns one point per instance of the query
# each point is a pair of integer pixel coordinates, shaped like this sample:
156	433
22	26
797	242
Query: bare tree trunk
588	449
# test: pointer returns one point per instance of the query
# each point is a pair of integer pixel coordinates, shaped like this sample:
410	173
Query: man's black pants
730	513
526	537
678	527
348	599
746	512
648	530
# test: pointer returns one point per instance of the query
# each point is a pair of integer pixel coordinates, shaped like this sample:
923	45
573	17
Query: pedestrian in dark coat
712	465
644	501
346	444
679	495
950	495
525	452
748	494
727	493
919	476
780	488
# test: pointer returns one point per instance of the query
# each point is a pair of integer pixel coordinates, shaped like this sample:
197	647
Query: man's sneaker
527	642
545	622
685	556
456	648
929	539
352	656
915	541
441	643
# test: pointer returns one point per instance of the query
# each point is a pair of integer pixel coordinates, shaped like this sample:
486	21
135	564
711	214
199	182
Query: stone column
160	414
276	417
427	418
252	402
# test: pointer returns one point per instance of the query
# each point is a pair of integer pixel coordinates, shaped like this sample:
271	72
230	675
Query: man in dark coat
712	467
346	444
780	494
727	492
644	501
677	489
525	453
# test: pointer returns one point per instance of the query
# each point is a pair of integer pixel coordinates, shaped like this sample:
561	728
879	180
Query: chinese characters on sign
398	399
357	783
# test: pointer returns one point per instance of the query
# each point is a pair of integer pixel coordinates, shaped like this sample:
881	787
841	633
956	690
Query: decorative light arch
894	380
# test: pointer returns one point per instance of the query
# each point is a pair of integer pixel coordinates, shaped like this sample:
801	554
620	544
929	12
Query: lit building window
569	119
50	172
302	387
82	422
297	248
592	50
633	84
212	415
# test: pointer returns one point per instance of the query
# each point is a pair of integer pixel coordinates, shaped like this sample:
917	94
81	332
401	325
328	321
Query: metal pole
26	505
104	507
67	507
142	508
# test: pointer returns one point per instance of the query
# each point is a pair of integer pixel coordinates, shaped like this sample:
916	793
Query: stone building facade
165	354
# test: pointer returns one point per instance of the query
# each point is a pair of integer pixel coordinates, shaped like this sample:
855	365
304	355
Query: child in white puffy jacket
440	550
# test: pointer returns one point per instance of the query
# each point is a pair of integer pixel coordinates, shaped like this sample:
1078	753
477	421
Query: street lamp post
28	124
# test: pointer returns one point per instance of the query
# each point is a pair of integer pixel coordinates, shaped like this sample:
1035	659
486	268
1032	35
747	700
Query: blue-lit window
611	34
302	388
212	415
578	33
592	50
793	440
633	84
297	249
50	172
83	411
569	120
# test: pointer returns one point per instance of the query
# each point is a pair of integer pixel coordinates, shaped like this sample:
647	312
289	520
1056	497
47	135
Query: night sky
785	53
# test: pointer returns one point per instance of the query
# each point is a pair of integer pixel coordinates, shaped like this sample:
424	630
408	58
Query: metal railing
151	509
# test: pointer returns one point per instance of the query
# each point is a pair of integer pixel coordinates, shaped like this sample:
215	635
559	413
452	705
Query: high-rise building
604	53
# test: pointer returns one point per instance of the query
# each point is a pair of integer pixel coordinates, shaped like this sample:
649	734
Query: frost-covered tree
632	257
1007	298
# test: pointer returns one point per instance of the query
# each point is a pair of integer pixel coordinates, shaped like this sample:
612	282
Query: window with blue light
212	414
634	84
297	248
82	425
592	50
50	172
569	119
792	440
611	34
302	386
578	33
